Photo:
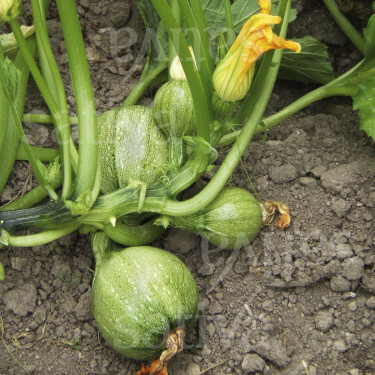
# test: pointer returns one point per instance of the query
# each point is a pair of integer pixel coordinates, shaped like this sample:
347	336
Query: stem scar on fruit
174	343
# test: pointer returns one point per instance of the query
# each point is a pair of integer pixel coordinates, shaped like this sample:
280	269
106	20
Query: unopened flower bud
176	70
9	10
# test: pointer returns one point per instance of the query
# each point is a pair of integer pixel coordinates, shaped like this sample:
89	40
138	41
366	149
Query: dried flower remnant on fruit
174	343
9	10
233	75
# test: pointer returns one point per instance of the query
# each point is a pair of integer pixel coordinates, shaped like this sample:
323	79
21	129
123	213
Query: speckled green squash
174	109
231	221
139	295
131	147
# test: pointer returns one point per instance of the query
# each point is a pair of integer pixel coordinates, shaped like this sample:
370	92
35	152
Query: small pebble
371	302
339	284
193	369
253	363
340	346
353	268
323	321
352	306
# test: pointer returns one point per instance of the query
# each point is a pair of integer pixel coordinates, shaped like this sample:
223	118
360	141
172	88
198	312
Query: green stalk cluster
81	172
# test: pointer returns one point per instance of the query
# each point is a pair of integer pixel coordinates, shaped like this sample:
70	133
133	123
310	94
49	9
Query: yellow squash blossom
9	10
233	75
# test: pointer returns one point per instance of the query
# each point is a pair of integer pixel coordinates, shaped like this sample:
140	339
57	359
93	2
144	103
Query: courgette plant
245	86
133	162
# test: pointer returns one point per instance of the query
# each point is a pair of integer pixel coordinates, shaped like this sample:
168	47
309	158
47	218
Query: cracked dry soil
296	302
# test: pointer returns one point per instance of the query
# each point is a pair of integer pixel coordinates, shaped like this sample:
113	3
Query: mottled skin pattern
174	109
131	147
140	295
231	221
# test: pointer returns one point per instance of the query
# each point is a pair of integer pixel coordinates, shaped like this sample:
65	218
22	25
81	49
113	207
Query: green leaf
364	80
158	47
311	65
53	170
364	101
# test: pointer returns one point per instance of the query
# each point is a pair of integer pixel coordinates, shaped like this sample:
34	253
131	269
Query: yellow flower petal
233	75
265	6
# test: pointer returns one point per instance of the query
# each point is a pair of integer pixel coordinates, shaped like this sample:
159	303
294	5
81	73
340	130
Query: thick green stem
9	149
175	8
125	201
304	101
37	168
54	82
141	86
39	80
44	119
4	109
134	236
197	36
28	57
229	19
40	238
100	244
202	103
41	153
79	69
205	47
354	36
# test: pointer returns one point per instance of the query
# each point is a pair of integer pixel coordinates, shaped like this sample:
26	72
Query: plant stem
41	153
175	8
30	156
125	200
206	196
41	118
9	149
229	19
134	236
304	101
4	109
354	36
56	87
202	103
40	238
79	69
198	37
205	48
141	86
39	80
32	197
